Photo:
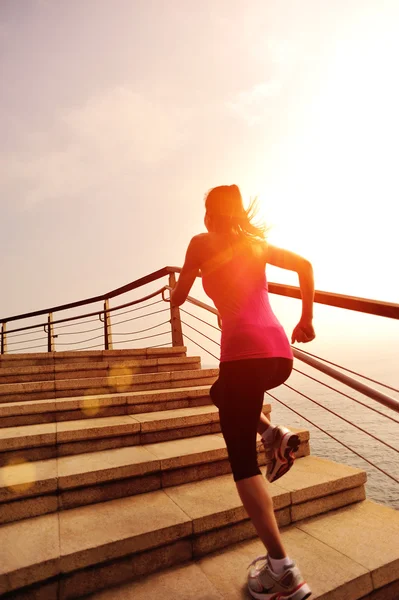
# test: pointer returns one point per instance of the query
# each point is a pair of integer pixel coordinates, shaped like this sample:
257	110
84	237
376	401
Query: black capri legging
238	393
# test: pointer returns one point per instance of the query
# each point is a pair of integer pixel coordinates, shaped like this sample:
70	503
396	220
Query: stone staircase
113	472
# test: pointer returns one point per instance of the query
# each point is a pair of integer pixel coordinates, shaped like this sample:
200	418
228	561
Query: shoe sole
301	594
286	454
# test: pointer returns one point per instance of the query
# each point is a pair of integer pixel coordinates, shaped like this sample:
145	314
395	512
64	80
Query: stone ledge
110	530
6	359
333	574
84	370
92	386
134	401
174	462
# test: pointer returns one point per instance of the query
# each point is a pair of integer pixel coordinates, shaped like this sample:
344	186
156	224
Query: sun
336	181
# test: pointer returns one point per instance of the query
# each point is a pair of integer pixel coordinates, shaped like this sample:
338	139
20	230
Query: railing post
3	338
50	336
177	335
107	327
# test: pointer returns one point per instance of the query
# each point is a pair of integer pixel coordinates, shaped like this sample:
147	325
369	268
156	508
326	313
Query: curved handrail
384	399
117	292
197	303
347	381
365	305
389	387
93	314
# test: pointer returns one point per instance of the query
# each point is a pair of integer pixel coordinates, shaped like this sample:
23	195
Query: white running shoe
281	452
264	584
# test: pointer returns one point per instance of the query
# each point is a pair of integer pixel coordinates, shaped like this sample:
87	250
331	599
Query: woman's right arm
279	257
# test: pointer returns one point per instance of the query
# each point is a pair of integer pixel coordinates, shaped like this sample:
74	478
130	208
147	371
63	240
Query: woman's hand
303	332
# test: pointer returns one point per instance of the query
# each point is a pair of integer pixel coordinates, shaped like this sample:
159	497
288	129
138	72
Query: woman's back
233	276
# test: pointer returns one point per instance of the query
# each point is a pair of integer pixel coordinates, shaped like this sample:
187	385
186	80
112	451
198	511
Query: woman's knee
243	472
243	457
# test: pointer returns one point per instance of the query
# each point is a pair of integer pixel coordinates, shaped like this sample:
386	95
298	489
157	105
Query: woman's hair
225	208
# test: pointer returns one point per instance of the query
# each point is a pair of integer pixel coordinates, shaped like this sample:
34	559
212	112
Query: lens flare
19	475
120	378
90	406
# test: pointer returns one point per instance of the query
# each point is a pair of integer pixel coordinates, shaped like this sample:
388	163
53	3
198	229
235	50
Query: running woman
255	356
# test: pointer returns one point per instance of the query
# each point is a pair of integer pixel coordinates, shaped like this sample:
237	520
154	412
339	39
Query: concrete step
49	440
34	488
61	388
102	545
333	552
104	368
78	356
31	412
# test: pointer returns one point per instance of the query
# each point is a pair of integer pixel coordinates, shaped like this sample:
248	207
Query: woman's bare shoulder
201	236
201	240
198	244
204	246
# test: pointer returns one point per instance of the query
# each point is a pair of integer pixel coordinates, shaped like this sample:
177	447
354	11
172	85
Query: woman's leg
239	397
239	421
264	423
253	490
259	506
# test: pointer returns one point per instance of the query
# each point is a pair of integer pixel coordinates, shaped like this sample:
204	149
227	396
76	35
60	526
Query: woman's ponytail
226	210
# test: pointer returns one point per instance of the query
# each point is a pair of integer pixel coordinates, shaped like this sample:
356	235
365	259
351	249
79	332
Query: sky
117	117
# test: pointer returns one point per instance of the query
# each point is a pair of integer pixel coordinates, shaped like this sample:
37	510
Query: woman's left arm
188	273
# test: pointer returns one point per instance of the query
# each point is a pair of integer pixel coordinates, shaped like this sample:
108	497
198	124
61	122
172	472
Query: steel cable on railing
143	338
113	323
134	309
100	336
159	345
140	330
79	332
347	396
97	337
314	379
350	371
202	321
321	406
156	312
310	377
200	332
78	323
333	437
199	345
342	418
11	334
24	341
33	347
113	333
91	347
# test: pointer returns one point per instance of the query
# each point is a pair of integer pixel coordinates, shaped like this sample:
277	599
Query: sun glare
340	173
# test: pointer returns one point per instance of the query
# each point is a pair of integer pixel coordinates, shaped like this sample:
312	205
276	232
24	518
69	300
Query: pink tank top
239	291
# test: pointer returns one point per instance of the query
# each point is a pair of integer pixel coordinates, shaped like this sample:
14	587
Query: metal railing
17	339
384	399
107	316
322	366
10	337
